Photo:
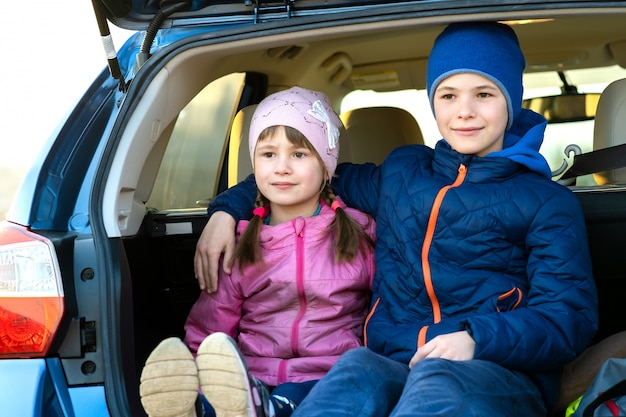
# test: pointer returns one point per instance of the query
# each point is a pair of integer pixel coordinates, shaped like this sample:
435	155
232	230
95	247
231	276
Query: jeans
365	384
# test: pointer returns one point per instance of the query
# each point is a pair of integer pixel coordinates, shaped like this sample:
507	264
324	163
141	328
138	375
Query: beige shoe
169	381
225	381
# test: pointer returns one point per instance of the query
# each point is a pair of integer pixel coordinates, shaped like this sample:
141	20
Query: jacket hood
523	141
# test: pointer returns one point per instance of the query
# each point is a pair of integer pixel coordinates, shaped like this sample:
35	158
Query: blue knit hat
489	49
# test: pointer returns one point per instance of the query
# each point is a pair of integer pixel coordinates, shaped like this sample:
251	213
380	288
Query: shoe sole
224	377
169	381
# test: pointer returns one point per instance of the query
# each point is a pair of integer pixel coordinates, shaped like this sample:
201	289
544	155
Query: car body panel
35	387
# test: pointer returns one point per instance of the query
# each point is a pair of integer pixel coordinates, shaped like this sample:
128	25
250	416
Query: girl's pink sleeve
217	312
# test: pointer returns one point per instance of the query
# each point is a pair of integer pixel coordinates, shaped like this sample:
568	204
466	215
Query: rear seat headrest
379	130
610	127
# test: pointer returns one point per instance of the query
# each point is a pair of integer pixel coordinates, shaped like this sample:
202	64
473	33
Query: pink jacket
294	315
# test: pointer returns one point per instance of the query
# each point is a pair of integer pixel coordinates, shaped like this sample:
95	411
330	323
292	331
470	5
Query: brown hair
349	236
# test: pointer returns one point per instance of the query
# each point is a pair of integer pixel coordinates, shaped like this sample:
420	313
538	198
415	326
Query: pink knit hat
307	111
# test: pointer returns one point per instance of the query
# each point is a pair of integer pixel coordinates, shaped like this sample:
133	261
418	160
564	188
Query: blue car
96	254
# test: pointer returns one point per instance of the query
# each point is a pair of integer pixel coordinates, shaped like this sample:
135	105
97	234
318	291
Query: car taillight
31	293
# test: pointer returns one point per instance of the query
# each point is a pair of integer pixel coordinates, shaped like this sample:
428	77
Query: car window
190	170
563	141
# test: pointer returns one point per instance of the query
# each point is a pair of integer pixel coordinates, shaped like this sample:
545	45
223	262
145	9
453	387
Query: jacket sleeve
216	312
560	316
358	185
238	200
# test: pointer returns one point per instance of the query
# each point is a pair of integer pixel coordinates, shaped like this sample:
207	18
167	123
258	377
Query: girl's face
471	113
289	176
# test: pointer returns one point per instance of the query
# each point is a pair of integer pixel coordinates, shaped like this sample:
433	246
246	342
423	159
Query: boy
483	288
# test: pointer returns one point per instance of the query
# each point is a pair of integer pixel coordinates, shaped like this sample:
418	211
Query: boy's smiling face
471	113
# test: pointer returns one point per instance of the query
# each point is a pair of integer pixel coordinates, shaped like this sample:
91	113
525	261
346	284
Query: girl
299	291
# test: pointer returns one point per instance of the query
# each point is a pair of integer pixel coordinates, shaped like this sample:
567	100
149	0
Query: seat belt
597	161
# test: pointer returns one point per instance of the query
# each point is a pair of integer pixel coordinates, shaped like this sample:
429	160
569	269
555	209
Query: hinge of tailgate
260	7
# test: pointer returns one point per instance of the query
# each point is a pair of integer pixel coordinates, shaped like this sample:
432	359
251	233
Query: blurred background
51	52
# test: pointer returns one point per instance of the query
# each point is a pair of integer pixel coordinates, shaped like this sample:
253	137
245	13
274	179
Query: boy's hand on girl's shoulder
457	346
217	238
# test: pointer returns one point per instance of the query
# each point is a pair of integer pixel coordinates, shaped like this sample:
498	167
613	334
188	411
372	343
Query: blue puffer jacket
485	244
